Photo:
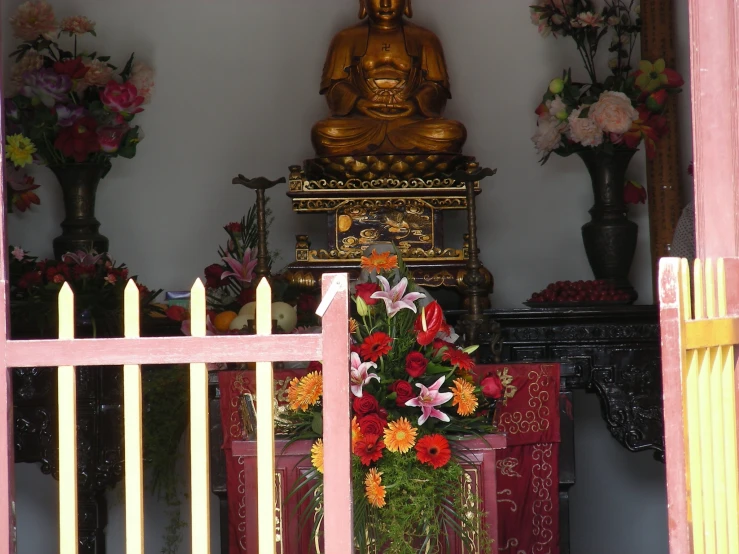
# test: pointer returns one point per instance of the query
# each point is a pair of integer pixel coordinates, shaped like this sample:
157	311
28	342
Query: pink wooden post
671	328
337	482
714	37
7	477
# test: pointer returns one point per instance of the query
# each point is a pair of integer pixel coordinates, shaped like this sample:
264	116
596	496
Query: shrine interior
237	92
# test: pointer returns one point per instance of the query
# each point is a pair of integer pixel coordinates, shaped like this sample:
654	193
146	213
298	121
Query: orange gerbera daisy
400	436
464	397
307	393
316	455
356	432
292	392
374	489
380	262
353	325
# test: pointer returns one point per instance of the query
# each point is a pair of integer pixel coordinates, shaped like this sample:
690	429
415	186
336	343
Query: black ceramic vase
609	237
79	184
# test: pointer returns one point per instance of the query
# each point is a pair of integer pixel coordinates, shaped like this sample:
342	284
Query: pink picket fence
331	346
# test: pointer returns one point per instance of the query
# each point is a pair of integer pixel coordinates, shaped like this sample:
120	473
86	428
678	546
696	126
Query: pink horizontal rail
163	350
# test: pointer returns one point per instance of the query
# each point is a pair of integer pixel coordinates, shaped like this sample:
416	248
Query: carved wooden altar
383	204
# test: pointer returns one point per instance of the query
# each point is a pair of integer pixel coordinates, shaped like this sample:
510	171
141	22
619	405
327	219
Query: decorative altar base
291	461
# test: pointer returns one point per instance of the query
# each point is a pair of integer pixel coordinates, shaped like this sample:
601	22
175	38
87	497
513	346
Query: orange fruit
223	320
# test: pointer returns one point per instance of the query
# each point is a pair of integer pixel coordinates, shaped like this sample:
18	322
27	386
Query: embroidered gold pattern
536	419
507	492
543	506
507	466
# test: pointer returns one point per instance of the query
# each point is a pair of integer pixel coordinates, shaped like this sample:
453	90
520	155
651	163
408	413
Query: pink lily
395	298
428	400
244	270
83	258
360	375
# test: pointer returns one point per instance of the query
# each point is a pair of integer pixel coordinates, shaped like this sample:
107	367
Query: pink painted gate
331	346
700	328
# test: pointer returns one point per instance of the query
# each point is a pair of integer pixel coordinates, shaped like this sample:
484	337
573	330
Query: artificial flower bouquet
414	397
617	113
68	105
231	288
97	281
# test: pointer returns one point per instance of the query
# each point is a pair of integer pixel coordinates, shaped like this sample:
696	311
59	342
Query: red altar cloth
527	470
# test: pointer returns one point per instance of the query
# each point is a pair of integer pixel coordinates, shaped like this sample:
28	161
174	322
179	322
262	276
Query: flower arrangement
413	397
69	106
621	111
231	287
97	281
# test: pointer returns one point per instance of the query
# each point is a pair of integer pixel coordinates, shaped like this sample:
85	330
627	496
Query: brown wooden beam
664	171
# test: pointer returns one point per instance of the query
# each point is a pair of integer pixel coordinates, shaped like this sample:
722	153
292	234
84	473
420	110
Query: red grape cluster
581	291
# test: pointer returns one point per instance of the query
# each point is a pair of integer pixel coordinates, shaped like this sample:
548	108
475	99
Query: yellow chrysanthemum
400	436
316	455
356	432
307	392
374	489
353	325
464	397
19	150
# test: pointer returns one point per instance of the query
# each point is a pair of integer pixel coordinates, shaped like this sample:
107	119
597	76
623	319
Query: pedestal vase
609	237
79	184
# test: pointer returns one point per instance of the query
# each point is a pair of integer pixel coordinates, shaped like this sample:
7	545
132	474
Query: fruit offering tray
562	294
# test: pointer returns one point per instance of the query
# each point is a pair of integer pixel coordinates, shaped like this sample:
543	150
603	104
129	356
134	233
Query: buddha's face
385	11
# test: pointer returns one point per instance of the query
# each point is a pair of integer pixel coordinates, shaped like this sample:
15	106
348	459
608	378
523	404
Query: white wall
237	85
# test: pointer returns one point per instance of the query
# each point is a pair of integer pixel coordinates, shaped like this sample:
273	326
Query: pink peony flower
548	136
110	137
583	130
98	73
33	19
122	98
142	77
77	25
557	108
613	112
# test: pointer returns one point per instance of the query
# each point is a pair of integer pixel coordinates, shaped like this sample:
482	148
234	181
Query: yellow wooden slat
67	400
703	415
711	332
265	429
731	464
716	422
132	425
695	500
199	463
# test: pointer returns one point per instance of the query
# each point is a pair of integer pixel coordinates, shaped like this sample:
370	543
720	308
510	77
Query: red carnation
73	67
433	450
404	392
428	323
491	386
458	358
213	276
79	140
415	364
372	424
375	346
366	405
369	448
365	291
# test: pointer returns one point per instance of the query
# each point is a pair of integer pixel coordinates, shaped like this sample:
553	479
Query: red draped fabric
528	491
528	469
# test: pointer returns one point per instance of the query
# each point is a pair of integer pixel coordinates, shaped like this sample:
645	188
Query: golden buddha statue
386	84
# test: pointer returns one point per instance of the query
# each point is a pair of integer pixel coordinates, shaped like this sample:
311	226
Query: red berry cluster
580	291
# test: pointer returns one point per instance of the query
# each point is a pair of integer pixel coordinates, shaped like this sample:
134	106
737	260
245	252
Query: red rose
122	98
367	404
415	364
213	276
79	140
491	386
30	279
365	291
428	323
404	391
372	424
74	68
